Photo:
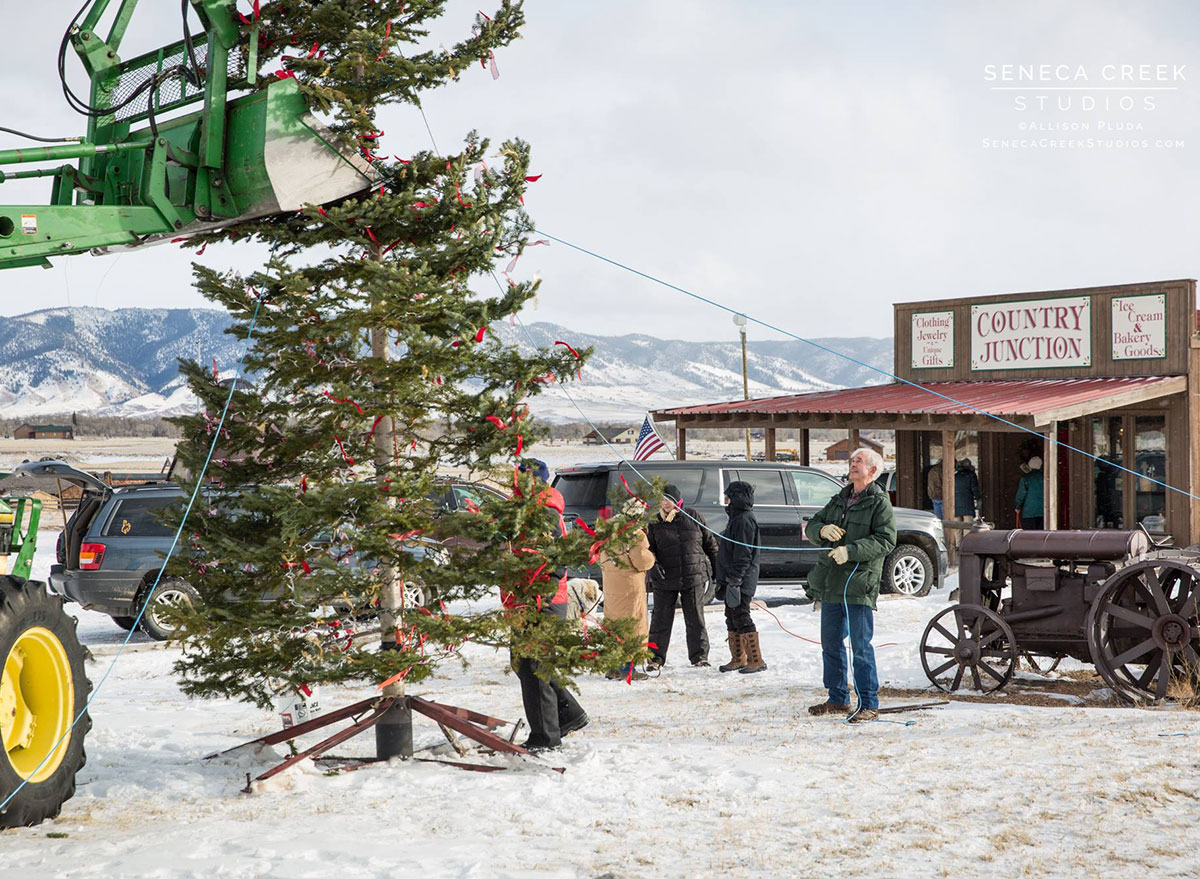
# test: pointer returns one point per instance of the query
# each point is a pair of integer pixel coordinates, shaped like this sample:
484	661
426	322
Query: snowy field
694	773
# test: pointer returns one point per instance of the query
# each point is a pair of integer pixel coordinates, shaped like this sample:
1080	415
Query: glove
832	533
720	593
840	555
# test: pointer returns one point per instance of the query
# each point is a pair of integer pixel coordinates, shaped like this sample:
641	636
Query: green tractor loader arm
231	160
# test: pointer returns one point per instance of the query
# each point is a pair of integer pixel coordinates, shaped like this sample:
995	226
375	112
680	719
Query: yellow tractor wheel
43	689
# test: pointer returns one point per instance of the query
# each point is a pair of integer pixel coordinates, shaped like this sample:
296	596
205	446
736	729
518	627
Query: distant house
602	435
44	431
840	451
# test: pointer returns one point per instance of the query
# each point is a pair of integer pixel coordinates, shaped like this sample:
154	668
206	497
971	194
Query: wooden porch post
680	443
1050	478
804	446
769	442
948	492
854	440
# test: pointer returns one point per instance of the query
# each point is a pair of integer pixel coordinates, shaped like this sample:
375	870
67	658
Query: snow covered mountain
104	362
124	362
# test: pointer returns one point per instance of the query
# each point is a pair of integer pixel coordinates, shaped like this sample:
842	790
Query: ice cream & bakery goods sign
1139	327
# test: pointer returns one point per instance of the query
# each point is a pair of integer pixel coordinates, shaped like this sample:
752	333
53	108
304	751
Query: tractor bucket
279	158
276	158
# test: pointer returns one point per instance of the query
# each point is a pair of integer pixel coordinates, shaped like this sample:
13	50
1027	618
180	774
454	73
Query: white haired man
860	528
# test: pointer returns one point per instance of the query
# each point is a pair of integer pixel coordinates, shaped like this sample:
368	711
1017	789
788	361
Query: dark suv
785	497
113	546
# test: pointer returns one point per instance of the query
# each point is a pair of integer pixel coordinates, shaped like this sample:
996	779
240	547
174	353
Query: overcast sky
807	162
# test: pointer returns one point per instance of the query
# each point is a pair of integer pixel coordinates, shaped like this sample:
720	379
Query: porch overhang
960	405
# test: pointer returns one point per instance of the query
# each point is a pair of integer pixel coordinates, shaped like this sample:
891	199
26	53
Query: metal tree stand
397	710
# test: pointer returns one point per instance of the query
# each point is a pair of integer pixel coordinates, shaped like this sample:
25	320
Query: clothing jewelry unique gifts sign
932	339
1036	334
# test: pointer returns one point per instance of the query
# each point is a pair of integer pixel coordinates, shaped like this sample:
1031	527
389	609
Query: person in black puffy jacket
737	578
686	553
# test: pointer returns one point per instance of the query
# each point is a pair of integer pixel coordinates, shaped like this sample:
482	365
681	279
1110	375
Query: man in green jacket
859	525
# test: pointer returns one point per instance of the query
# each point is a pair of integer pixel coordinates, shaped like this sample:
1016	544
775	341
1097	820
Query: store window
1108	435
1150	463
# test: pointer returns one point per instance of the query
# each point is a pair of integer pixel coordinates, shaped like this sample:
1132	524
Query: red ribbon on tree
351	402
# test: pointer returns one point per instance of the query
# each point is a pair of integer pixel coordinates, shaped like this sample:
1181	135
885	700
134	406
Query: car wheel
125	623
416	594
908	571
169	593
710	591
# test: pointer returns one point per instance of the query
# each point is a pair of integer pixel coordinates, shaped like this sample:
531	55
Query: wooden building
840	451
44	431
1102	383
601	435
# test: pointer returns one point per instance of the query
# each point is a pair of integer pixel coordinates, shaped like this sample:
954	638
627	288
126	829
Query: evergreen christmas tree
373	368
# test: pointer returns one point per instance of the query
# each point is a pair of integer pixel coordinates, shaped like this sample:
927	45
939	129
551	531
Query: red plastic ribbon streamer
480	333
569	348
351	402
500	425
520	445
216	373
492	64
342	449
585	526
387	32
534	179
631	494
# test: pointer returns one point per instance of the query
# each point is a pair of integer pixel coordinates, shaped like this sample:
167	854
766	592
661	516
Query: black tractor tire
125	623
169	591
710	591
37	642
908	570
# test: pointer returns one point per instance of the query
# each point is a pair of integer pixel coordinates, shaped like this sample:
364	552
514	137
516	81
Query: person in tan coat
624	575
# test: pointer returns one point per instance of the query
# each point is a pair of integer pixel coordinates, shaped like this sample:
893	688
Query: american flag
647	443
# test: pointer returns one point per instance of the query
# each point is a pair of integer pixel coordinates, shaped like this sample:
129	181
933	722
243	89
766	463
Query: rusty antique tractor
1107	597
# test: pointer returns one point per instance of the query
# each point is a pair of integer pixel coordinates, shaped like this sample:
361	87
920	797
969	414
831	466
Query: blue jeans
937	508
861	629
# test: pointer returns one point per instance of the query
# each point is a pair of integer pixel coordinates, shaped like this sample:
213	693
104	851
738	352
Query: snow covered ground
694	773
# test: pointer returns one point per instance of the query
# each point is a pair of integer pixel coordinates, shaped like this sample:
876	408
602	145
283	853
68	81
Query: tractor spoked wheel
42	688
968	644
1142	629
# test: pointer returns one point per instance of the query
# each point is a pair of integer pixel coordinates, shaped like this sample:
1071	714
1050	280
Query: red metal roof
1012	397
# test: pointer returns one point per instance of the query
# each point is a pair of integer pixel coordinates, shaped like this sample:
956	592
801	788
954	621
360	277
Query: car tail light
90	556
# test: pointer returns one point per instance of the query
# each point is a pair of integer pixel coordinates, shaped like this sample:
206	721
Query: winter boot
737	653
754	659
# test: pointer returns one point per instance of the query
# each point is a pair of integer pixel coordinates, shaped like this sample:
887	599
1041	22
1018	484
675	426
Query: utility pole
739	321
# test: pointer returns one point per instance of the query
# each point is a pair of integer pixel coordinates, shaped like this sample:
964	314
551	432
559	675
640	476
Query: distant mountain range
124	362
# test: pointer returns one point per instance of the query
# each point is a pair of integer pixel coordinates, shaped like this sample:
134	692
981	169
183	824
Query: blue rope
150	592
850	636
854	360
